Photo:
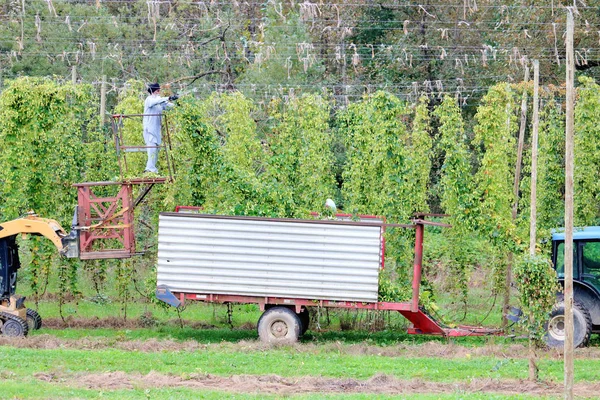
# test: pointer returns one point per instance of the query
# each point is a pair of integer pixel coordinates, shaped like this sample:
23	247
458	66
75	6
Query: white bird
331	205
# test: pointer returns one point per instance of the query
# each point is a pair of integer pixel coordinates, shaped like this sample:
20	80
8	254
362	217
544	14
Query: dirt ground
277	385
273	384
427	349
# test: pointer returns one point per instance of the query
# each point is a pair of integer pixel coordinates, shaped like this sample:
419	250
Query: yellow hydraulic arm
32	224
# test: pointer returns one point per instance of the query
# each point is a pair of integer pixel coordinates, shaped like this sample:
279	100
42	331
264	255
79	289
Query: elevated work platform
105	210
123	148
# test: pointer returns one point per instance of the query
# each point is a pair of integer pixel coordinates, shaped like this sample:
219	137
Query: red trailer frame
422	323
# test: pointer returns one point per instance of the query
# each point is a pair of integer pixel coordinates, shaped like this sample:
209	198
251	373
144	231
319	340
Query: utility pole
569	144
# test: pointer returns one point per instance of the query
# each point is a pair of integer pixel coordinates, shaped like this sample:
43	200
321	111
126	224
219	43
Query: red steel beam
418	266
421	322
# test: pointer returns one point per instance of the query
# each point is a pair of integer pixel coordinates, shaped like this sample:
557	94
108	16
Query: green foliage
456	191
49	138
587	153
124	270
456	184
496	124
301	159
551	176
45	129
418	159
387	169
376	133
538	285
216	142
390	291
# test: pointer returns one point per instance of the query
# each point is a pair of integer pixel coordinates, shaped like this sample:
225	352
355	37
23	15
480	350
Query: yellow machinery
15	318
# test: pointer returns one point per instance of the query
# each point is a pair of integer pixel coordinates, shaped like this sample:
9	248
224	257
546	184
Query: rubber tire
14	326
33	320
279	325
304	317
582	325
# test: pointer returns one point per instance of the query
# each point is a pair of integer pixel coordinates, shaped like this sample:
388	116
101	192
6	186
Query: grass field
97	355
93	347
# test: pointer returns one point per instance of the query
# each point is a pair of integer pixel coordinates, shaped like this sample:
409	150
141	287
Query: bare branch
194	78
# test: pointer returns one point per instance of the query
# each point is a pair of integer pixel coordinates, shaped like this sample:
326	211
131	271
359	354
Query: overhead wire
454	54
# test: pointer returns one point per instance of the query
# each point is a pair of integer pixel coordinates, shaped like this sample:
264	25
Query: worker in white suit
153	108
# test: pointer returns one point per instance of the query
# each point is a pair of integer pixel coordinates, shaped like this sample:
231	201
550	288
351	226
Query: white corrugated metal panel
268	257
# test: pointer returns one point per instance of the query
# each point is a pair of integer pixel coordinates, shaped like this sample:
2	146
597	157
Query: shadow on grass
381	338
208	335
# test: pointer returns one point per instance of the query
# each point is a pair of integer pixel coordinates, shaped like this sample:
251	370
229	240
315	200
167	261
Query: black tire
304	317
279	325
555	327
13	326
34	321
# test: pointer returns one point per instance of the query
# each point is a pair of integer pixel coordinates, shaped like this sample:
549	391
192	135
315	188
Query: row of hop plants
379	155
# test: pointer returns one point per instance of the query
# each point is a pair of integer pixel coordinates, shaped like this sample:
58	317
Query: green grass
217	335
20	365
34	389
197	312
286	362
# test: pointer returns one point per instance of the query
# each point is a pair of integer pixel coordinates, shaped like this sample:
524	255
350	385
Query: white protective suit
155	105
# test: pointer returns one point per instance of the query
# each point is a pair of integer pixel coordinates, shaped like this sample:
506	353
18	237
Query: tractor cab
9	264
586	285
586	257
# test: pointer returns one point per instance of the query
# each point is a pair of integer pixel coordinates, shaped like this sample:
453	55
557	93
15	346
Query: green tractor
586	287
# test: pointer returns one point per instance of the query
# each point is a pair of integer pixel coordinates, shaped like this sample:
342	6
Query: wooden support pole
533	368
103	101
569	166
520	144
534	156
73	74
515	206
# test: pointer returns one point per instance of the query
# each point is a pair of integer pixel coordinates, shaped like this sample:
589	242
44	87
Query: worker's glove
173	97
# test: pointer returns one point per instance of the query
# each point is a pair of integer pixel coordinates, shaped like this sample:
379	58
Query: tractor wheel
555	327
279	325
304	317
13	325
34	321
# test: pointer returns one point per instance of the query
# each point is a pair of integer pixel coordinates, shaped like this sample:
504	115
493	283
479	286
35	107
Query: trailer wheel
279	325
33	319
304	317
555	327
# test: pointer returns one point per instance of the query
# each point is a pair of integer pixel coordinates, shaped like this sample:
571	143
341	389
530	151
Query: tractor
586	287
15	318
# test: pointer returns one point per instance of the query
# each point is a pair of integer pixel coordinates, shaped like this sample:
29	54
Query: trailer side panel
269	257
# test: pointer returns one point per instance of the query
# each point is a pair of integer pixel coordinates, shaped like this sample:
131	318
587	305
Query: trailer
286	266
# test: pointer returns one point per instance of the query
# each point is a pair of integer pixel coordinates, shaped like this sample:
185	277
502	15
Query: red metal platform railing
106	222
